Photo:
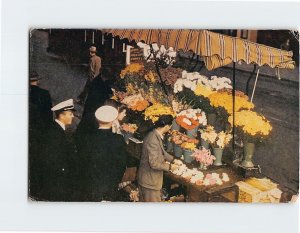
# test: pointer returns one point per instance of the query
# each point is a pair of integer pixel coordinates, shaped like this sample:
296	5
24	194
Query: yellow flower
251	123
224	99
203	90
150	77
114	97
156	110
188	146
130	89
132	68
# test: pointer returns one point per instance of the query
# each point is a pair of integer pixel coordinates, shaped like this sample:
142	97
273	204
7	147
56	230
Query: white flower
155	47
225	177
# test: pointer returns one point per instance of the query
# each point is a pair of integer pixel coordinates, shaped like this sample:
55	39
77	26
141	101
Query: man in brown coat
93	72
154	161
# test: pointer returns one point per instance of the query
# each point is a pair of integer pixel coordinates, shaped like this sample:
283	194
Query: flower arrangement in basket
254	127
129	128
190	119
204	157
153	112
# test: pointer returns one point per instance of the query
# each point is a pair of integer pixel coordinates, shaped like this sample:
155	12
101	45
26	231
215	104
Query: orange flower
140	105
182	121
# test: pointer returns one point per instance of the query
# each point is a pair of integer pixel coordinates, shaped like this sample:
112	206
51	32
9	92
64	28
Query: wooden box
256	190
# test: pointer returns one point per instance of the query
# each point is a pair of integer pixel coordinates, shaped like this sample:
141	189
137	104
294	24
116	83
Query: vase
192	132
204	144
248	154
177	150
169	146
175	126
211	118
127	135
203	166
187	155
218	153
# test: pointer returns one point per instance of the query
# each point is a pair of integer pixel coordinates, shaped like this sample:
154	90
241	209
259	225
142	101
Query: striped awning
216	49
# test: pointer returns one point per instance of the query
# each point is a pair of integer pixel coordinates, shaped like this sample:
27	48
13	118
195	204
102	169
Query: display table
227	192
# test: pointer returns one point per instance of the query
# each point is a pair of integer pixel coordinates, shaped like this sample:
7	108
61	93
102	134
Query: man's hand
174	167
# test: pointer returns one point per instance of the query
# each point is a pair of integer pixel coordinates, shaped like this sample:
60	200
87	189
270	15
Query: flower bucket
218	153
204	144
127	135
202	166
187	155
211	118
192	132
177	150
248	154
175	126
169	146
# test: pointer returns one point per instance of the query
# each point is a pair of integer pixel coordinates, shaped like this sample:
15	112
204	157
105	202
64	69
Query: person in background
105	158
154	161
57	160
94	70
40	118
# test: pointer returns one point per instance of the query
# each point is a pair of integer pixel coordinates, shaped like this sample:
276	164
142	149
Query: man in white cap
105	158
57	161
93	72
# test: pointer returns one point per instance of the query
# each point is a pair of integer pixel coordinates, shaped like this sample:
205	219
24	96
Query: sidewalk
285	74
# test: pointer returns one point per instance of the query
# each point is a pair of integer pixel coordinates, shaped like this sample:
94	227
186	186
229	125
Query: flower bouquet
129	128
208	135
136	102
191	119
178	139
220	142
204	157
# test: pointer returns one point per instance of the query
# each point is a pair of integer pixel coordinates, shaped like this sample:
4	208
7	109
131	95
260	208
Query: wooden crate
255	190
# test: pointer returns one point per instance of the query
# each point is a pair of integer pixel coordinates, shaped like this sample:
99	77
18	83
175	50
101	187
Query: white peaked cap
64	106
106	114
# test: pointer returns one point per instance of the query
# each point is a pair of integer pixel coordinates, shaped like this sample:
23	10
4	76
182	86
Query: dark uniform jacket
57	165
105	163
40	118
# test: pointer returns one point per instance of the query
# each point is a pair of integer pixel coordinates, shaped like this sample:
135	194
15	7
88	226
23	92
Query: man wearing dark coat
57	159
40	118
105	158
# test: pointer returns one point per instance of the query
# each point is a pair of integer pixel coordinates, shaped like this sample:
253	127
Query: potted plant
220	142
188	148
254	129
208	136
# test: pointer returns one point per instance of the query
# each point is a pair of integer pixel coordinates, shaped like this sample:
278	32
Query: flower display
252	124
203	90
170	75
224	100
222	139
136	102
132	68
130	128
197	177
188	146
179	138
204	156
208	134
151	77
191	118
153	112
